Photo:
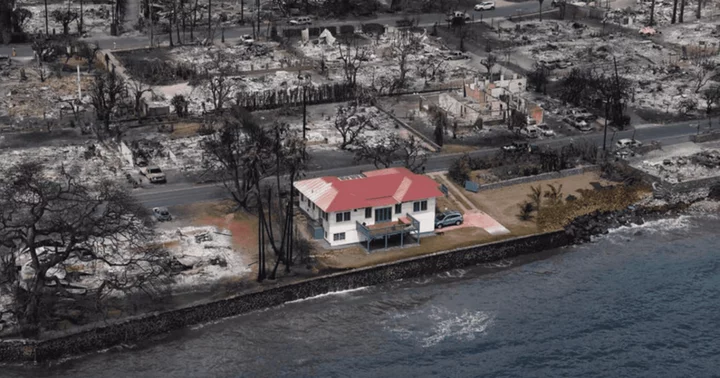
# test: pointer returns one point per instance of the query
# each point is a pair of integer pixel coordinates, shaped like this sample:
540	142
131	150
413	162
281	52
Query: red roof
383	187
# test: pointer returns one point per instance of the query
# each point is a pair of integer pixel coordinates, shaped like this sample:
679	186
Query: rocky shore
582	229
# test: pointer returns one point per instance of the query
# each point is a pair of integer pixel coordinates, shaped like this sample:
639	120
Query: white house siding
308	208
426	218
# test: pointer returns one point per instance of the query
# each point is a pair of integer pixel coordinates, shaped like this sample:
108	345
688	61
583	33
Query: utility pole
47	32
607	102
210	20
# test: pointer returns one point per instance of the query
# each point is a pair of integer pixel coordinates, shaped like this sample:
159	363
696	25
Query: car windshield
164	212
440	217
154	170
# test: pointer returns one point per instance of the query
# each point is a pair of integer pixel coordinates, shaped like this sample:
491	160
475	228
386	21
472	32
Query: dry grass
610	199
185	129
502	204
456	148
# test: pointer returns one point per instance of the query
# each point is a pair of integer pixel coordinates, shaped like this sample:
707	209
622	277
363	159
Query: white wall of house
332	226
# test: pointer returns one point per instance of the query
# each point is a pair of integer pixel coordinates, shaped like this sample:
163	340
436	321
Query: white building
372	205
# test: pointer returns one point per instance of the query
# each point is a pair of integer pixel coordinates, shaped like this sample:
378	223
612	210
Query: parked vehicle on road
485	5
300	21
162	214
247	39
154	174
405	22
628	143
462	15
520	147
545	130
448	218
456	55
530	132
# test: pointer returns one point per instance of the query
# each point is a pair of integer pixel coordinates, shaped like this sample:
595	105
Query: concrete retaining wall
543	176
707	137
142	328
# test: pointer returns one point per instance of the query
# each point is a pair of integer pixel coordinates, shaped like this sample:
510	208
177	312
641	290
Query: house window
419	206
302	197
342	217
339	236
398	208
368	212
325	216
313	206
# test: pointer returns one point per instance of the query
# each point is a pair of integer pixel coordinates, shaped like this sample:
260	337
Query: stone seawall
142	328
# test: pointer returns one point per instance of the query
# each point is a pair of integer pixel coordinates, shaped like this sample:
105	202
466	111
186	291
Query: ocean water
639	302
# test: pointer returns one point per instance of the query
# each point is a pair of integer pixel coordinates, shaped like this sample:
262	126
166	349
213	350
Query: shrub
460	169
373	28
347	29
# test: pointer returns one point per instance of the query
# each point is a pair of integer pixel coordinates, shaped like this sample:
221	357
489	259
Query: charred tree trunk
674	14
682	11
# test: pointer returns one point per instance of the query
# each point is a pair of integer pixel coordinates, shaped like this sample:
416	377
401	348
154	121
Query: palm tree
526	210
554	194
536	196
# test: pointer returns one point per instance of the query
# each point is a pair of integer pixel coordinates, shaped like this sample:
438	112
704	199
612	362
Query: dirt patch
184	130
502	204
242	226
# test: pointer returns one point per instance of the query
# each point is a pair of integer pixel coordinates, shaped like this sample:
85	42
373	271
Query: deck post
402	241
385	241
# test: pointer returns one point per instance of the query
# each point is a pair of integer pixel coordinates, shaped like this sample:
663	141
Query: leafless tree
350	122
652	13
705	68
394	149
538	78
137	89
404	45
541	3
49	227
64	17
219	83
233	154
674	12
106	93
42	71
87	51
711	96
489	63
431	69
352	57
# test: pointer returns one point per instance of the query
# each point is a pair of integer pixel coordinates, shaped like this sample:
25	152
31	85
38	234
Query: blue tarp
472	186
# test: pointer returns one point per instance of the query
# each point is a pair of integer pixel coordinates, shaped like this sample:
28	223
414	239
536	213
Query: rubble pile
240	58
686	168
90	162
639	14
201	256
96	18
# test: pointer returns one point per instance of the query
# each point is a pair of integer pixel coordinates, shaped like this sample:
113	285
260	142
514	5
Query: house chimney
515	76
502	77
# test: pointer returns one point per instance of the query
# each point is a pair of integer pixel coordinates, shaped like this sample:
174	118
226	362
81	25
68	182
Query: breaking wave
340	292
444	325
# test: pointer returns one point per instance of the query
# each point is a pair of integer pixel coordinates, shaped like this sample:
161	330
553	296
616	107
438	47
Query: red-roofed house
370	205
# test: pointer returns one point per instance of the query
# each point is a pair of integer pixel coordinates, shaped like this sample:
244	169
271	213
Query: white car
247	39
300	21
625	143
485	5
545	130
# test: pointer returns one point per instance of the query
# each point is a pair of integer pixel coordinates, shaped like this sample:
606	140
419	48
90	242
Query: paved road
426	20
183	194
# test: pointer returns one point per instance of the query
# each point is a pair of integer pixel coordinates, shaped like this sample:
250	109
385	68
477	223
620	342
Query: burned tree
431	69
53	229
230	153
404	45
64	17
394	149
137	90
489	63
87	51
705	68
106	93
219	84
538	78
352	57
350	122
712	97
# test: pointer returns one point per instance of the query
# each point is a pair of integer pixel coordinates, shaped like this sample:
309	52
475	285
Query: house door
383	215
